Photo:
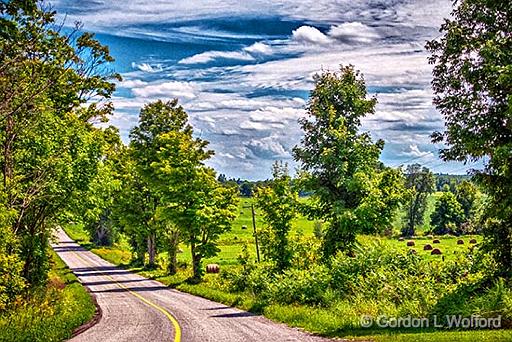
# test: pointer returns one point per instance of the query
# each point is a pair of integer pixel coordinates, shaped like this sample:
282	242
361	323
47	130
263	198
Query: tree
336	161
278	202
155	120
95	206
472	81
52	87
467	195
420	181
386	193
191	197
448	215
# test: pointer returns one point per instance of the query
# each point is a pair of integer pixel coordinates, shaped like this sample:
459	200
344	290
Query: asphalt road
138	309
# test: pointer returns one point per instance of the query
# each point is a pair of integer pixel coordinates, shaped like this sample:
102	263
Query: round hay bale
400	239
410	243
212	268
427	247
460	242
244	227
412	251
430	237
473	241
436	251
436	241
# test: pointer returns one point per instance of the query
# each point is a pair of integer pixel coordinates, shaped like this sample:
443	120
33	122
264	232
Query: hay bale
460	242
436	251
212	268
473	241
436	241
412	251
244	227
400	239
427	247
430	237
410	243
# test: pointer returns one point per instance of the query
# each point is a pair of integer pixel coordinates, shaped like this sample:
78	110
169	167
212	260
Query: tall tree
336	160
421	183
192	199
448	215
472	82
278	202
52	87
467	195
155	120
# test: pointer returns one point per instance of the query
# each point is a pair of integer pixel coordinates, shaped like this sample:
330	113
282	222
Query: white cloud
310	35
414	151
146	67
209	56
354	31
268	147
166	89
259	48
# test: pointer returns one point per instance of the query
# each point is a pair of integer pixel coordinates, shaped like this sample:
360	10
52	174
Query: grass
321	320
50	313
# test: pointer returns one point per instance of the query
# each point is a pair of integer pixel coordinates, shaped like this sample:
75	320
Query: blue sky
243	70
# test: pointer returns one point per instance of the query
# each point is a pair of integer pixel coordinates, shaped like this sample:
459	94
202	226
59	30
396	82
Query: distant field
242	232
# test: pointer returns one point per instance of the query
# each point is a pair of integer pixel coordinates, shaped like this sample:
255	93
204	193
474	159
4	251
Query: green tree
155	120
278	202
421	183
52	87
337	162
448	215
472	81
467	195
192	199
386	193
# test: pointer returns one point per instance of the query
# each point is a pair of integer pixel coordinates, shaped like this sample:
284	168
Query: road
139	309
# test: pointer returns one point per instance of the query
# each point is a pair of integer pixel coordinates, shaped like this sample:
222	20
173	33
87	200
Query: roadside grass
50	313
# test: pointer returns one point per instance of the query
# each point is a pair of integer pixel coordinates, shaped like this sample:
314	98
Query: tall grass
49	313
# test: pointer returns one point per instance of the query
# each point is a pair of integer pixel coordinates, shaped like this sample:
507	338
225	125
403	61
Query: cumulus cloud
166	89
310	35
146	67
353	32
268	147
414	151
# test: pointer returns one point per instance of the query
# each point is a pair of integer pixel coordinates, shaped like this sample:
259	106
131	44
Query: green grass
50	313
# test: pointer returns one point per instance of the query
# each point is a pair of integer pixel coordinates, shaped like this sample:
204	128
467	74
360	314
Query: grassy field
322	320
52	313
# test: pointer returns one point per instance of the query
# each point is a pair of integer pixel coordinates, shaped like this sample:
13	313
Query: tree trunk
196	263
172	267
151	250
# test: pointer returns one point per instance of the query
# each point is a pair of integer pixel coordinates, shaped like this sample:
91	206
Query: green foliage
190	197
467	195
51	312
420	183
278	203
337	162
52	86
472	80
448	215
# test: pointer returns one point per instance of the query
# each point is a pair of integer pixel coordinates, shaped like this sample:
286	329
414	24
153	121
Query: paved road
138	309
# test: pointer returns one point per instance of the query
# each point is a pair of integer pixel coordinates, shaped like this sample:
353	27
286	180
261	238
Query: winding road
139	309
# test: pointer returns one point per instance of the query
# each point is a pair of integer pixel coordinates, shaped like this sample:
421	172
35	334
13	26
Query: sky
243	70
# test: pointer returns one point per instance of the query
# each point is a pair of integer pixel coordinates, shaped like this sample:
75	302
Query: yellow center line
177	328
